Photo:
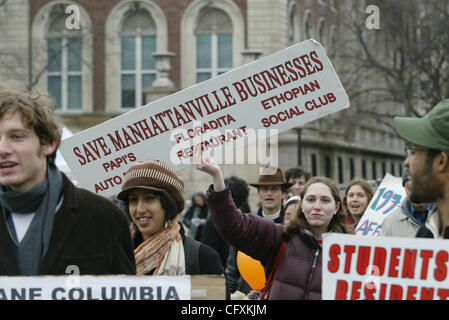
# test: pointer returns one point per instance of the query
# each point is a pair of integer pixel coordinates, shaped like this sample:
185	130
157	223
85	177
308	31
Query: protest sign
384	268
388	197
75	287
287	89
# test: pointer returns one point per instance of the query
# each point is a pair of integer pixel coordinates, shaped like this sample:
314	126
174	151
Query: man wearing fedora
271	186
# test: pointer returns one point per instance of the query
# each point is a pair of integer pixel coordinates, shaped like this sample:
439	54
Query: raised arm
258	237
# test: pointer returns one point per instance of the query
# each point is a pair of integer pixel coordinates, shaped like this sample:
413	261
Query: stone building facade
127	53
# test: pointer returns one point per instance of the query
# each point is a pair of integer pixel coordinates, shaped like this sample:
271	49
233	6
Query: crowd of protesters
48	223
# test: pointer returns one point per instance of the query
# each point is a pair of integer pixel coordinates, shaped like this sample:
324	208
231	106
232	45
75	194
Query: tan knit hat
154	175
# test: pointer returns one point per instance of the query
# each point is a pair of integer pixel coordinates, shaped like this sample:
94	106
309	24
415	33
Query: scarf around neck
163	253
41	199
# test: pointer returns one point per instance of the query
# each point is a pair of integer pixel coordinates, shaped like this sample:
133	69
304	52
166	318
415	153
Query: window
64	63
400	169
308	26
321	30
384	168
314	168
340	170
138	67
293	25
327	166
374	169
213	44
392	169
351	168
363	169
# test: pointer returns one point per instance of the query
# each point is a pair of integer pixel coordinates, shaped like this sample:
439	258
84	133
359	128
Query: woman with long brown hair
357	196
290	255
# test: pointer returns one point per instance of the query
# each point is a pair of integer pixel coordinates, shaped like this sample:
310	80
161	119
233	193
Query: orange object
251	270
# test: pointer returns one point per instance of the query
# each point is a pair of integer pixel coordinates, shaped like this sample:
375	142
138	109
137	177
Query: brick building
128	52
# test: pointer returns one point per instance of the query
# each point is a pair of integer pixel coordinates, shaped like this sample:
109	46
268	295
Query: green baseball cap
430	131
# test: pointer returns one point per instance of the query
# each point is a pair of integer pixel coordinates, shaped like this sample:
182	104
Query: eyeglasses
410	150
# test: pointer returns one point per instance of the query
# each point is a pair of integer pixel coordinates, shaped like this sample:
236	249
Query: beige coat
398	224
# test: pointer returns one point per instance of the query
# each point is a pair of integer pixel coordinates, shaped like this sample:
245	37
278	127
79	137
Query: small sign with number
388	196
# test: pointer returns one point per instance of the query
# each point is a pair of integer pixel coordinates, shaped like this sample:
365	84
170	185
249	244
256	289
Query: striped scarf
163	253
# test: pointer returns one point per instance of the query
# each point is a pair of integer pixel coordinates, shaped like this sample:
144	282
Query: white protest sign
384	268
388	197
96	288
287	89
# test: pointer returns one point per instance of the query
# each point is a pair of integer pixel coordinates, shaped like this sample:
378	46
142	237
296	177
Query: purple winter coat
298	275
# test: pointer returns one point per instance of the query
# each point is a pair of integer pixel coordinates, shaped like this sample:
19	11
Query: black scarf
41	199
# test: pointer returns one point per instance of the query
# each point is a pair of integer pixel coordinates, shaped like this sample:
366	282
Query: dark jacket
234	281
213	239
89	232
209	260
299	273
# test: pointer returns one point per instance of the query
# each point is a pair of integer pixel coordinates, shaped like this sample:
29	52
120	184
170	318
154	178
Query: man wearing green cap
427	149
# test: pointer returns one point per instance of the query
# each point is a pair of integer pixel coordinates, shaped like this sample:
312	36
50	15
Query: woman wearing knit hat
154	195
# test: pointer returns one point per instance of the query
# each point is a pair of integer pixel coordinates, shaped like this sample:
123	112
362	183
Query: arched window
213	44
293	25
137	43
62	57
321	31
134	30
308	25
64	62
212	40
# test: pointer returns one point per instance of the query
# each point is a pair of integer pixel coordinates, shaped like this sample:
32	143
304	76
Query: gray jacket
401	223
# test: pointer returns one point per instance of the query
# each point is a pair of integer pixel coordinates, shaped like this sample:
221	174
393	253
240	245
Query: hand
254	295
196	222
206	163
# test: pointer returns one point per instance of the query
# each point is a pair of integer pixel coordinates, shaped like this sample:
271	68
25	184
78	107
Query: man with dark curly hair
47	224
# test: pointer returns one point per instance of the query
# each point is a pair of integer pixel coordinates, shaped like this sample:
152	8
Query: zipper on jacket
309	281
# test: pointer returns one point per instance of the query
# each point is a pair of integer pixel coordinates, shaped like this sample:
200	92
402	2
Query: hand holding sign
206	163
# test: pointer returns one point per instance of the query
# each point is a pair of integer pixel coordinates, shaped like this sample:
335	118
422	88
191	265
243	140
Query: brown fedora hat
271	176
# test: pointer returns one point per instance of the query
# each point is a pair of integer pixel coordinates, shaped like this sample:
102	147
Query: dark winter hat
154	175
430	131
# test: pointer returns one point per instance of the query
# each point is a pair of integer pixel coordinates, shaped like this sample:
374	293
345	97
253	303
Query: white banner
75	287
285	90
384	268
388	197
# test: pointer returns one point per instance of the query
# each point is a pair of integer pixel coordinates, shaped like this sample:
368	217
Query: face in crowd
271	198
146	211
23	159
408	189
357	200
297	185
199	201
319	206
291	212
426	185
